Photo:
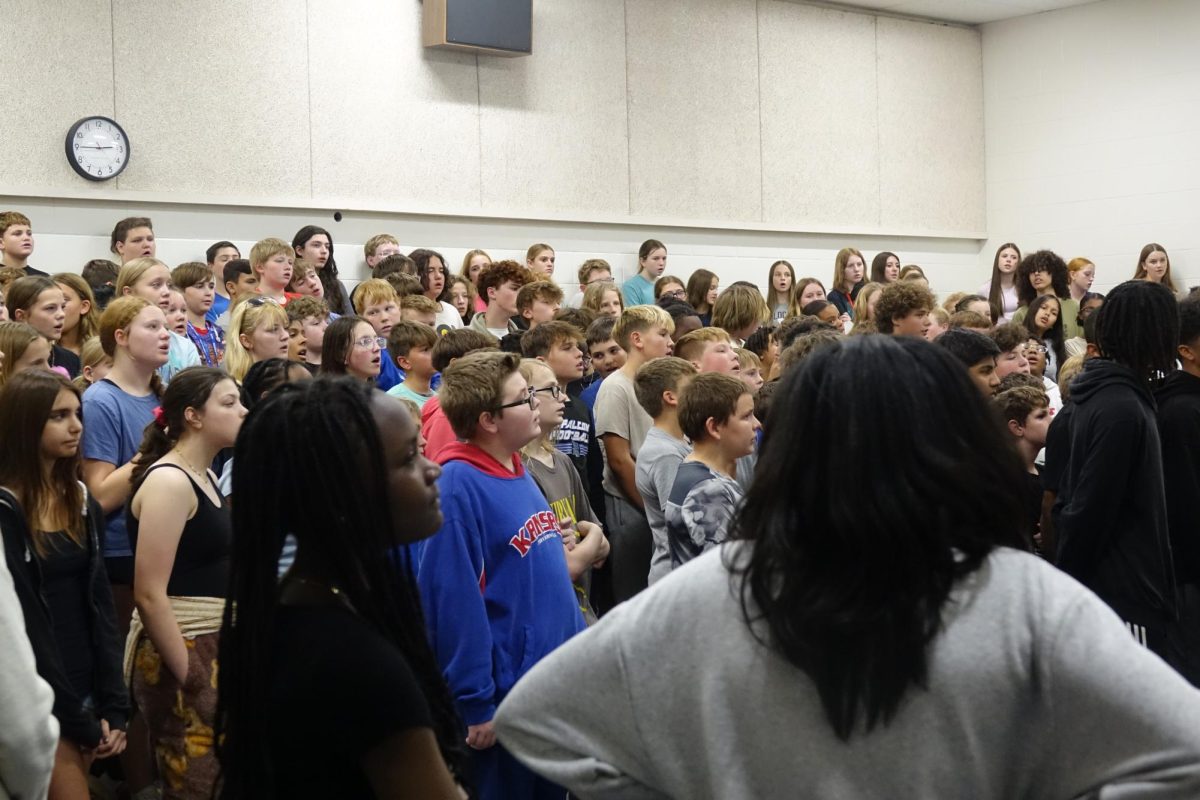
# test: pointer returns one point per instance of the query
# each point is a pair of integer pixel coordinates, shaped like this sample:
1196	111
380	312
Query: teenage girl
351	347
118	408
315	245
652	262
1001	288
849	268
329	687
24	349
1083	274
94	363
435	277
604	299
179	523
150	279
864	304
702	289
82	314
1154	265
464	298
473	263
51	530
807	290
539	260
258	330
782	282
1045	322
885	268
40	302
1045	273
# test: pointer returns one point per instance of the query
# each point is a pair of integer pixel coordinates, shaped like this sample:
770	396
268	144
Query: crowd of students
445	535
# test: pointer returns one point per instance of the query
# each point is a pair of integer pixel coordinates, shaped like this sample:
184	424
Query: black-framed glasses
554	391
365	342
528	398
262	299
678	294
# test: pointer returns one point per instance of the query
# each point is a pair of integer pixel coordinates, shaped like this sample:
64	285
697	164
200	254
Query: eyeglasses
554	391
365	342
1035	348
678	294
528	398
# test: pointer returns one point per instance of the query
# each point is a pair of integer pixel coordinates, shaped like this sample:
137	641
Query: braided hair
1138	326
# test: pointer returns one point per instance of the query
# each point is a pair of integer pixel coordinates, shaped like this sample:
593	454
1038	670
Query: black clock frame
70	151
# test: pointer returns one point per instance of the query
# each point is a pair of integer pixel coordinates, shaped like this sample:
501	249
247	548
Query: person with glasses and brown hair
494	582
351	347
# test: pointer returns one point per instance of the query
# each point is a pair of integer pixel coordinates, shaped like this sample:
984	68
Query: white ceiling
968	12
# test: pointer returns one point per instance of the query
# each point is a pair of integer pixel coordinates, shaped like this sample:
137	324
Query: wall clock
97	148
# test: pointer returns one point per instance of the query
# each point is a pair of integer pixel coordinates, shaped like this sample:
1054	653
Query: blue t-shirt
113	424
588	395
638	291
220	304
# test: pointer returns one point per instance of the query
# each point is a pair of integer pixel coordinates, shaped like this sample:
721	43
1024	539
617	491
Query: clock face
97	148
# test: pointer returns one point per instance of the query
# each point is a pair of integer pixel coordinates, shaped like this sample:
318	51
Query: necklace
337	593
199	473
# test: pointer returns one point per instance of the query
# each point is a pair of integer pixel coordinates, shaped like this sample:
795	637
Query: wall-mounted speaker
491	27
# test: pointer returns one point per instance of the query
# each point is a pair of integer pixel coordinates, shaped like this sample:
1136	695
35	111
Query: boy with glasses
494	582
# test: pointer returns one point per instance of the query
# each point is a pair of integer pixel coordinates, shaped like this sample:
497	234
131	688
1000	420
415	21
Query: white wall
1093	123
737	131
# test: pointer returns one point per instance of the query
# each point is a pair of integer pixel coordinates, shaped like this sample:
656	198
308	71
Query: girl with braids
1001	290
51	530
1110	516
329	687
118	408
1045	273
901	635
180	526
315	246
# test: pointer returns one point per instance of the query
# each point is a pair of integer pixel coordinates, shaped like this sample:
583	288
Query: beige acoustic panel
391	122
931	127
57	68
214	96
553	127
820	124
694	150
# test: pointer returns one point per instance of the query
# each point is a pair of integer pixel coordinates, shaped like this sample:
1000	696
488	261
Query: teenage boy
717	413
606	355
594	270
435	428
658	385
1013	340
559	345
196	282
375	301
977	353
1179	428
1027	415
310	315
218	255
240	284
494	584
499	283
418	308
538	302
710	350
16	242
1110	515
272	261
411	344
903	309
379	247
643	332
101	275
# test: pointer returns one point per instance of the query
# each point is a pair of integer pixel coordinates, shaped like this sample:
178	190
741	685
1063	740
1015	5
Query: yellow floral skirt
180	718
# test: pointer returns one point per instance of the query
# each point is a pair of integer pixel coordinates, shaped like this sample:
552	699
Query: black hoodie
1179	428
1111	511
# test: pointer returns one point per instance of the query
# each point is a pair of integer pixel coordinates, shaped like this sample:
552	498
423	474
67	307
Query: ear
1093	351
192	417
635	340
85	306
713	429
487	422
1016	428
670	398
126	291
244	340
19	315
403	363
1186	353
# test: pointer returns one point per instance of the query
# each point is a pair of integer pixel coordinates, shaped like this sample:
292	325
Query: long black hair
849	587
1054	337
335	294
341	516
1138	326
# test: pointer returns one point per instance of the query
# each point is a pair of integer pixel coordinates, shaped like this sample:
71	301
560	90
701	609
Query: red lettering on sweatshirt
541	524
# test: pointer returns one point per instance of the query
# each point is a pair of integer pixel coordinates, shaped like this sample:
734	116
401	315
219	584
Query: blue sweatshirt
493	580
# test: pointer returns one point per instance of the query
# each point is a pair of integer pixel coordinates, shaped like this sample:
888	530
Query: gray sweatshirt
1036	690
28	731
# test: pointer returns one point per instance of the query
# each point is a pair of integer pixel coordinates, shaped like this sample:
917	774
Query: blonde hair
639	319
266	249
373	243
419	303
91	354
246	319
593	296
862	304
530	367
133	271
748	359
117	317
693	344
89	323
738	308
952	300
839	267
466	264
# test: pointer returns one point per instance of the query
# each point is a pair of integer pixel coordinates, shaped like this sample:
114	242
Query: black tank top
201	566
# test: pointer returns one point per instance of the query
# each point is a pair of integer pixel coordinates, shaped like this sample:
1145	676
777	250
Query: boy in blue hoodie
494	581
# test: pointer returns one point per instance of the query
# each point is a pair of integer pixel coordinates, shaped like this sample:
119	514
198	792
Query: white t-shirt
448	316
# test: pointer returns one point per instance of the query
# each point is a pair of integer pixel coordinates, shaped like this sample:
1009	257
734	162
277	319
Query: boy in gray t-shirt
658	385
